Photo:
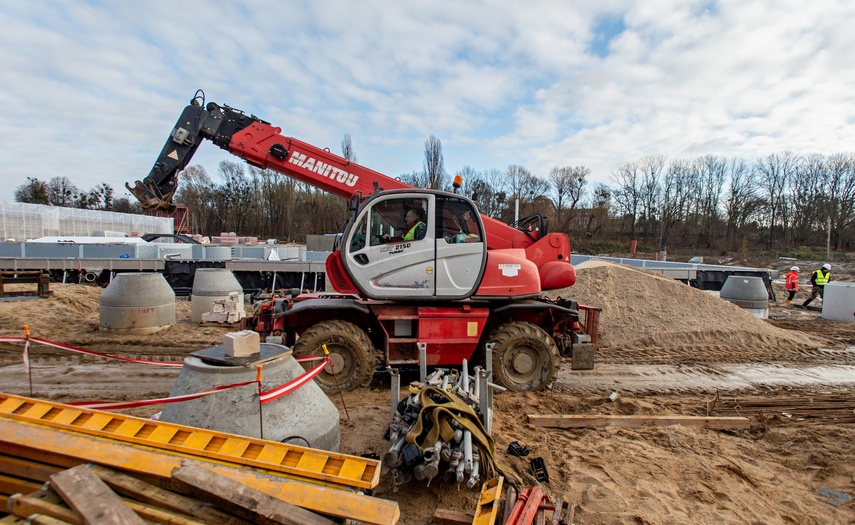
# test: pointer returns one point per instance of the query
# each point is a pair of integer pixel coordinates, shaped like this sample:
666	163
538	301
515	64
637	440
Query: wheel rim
523	364
341	366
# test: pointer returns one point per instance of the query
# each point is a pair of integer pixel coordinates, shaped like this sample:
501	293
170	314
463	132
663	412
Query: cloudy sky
91	89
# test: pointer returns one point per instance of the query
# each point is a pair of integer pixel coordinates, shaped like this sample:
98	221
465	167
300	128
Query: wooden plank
149	514
556	514
26	469
25	506
567	421
44	520
452	517
91	499
241	499
160	515
510	503
154	495
12	485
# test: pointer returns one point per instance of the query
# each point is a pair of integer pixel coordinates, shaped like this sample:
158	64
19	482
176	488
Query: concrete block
583	356
242	344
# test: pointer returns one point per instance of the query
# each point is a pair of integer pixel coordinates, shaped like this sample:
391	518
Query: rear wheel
525	358
351	352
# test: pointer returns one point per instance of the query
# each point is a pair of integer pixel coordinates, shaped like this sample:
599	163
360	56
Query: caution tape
297	382
101	405
264	397
70	348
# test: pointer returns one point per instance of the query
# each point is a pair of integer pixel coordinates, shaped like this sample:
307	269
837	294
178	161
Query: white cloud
91	90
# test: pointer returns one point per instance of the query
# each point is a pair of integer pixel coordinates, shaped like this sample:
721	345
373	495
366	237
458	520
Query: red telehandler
443	285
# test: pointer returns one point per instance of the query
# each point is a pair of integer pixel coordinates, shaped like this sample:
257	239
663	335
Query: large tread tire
525	358
347	345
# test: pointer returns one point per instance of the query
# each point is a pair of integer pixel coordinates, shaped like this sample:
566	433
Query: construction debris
38	436
442	425
230	310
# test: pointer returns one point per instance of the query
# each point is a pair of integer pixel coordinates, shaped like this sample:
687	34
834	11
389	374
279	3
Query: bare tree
568	186
773	173
841	193
627	194
807	197
196	191
711	176
487	190
742	200
676	188
650	194
233	197
347	149
416	179
434	165
35	191
61	192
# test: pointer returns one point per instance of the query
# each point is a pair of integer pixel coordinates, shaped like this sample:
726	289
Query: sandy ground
666	349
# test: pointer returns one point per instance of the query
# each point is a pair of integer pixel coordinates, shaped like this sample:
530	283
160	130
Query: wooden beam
24	506
26	469
10	485
154	495
562	421
452	517
91	499
50	500
241	499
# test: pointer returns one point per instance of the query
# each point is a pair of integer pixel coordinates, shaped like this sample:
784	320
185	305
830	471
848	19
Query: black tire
525	358
348	345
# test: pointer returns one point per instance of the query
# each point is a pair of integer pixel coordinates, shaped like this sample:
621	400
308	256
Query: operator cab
415	244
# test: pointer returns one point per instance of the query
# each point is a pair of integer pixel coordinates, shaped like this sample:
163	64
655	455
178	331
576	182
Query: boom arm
260	144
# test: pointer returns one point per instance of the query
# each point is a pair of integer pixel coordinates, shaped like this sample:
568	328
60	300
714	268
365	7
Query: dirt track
656	475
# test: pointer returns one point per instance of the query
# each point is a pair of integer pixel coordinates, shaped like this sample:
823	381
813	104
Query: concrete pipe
304	417
211	285
137	303
748	293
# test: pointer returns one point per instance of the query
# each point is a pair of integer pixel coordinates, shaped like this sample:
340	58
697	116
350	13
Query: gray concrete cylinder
210	285
137	303
305	417
748	293
838	302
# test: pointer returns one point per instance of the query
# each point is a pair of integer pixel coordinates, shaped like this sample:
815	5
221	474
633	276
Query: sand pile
650	318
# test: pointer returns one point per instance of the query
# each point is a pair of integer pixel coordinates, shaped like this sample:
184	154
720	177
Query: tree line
778	202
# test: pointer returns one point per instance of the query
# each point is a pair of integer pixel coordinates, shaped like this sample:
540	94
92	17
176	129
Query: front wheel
351	353
525	358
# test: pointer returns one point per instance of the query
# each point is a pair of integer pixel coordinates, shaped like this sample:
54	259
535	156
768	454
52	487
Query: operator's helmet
795	269
826	266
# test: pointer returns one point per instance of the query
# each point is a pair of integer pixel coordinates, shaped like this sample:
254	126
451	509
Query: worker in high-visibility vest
792	283
819	278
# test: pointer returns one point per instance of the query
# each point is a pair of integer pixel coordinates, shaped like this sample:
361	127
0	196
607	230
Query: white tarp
21	222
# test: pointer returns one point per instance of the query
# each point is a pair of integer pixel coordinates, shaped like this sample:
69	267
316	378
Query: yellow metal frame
287	460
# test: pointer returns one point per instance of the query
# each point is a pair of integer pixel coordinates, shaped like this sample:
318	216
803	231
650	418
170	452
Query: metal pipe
422	361
395	378
465	376
474	478
467	450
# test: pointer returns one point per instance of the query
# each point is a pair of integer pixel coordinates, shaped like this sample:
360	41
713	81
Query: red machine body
465	281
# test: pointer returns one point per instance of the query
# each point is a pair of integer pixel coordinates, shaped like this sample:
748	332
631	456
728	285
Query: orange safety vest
792	282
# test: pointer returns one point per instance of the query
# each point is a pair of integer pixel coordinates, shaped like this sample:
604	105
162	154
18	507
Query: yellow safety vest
411	235
821	279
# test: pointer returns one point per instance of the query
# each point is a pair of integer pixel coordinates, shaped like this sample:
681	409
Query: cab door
379	261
